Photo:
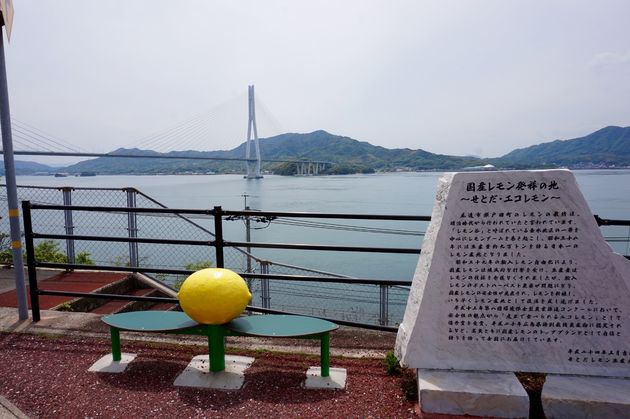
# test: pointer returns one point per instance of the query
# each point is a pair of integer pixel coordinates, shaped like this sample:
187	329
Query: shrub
201	264
48	251
409	385
45	251
178	283
6	254
192	266
392	366
84	258
65	307
408	382
6	257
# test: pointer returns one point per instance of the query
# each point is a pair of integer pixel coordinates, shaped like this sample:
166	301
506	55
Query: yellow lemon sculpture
214	296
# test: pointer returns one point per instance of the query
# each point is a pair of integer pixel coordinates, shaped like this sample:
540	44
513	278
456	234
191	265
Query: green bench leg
115	336
325	355
216	345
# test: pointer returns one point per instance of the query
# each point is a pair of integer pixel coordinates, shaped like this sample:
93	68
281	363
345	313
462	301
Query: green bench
271	325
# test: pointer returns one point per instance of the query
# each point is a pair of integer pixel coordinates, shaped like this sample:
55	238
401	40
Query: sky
449	77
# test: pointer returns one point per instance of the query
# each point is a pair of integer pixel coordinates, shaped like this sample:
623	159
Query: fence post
218	235
264	285
383	317
132	227
30	259
248	238
68	223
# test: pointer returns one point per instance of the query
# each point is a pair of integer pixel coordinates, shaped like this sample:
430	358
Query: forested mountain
608	147
28	167
351	156
347	154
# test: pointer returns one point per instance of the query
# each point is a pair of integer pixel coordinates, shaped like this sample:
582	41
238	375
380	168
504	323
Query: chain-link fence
361	303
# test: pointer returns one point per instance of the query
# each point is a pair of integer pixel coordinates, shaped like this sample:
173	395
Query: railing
218	243
386	294
197	227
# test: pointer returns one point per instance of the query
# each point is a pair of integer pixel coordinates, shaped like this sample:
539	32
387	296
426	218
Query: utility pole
6	8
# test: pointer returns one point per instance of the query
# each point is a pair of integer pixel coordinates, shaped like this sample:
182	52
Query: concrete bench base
198	374
108	365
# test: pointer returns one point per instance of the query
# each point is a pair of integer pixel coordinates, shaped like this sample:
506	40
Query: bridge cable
198	119
30	144
268	115
192	137
155	141
191	133
44	135
23	146
41	143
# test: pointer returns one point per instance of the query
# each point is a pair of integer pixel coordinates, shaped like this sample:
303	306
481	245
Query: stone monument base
570	396
474	393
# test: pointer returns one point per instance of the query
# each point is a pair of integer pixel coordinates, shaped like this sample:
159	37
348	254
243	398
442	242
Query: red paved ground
47	377
65	281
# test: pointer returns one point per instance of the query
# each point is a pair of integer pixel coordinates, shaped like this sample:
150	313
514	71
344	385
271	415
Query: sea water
606	191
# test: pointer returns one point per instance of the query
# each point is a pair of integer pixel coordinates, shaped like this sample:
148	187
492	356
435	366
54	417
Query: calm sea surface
606	191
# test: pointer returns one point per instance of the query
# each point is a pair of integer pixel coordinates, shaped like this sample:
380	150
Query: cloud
610	59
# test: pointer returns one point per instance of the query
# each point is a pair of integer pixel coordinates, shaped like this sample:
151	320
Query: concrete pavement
9	411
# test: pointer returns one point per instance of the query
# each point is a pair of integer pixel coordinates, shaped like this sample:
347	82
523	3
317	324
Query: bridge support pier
253	165
309	168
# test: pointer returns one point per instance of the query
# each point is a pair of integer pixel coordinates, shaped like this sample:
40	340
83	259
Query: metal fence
343	301
325	288
123	229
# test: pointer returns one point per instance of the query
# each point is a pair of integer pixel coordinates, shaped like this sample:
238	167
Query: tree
48	251
6	255
45	251
201	264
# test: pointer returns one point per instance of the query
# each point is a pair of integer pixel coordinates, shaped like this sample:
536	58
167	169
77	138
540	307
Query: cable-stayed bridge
194	132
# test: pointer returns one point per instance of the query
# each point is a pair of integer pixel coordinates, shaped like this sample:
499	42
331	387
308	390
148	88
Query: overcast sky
449	77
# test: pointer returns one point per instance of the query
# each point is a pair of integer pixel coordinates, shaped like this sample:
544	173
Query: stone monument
514	275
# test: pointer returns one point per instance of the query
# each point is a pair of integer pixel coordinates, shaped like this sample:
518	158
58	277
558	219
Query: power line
347	227
323	225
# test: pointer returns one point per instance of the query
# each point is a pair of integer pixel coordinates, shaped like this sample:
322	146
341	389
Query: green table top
280	325
150	321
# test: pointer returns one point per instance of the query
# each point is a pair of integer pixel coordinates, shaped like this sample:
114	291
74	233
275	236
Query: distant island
606	148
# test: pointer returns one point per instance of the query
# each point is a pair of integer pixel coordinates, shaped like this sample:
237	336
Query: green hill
351	156
608	147
28	167
346	154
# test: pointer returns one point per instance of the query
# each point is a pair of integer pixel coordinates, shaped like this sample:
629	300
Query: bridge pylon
252	164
